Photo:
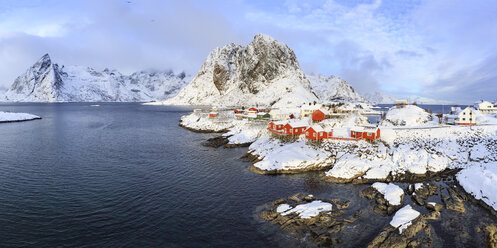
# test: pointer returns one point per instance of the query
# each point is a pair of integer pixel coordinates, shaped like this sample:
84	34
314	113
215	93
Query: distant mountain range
46	81
264	72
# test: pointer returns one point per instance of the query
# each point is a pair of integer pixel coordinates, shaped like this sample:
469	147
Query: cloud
432	49
132	36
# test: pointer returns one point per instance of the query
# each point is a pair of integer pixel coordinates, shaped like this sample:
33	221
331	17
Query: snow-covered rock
407	115
290	157
46	81
11	117
264	72
306	210
333	89
403	218
480	181
391	192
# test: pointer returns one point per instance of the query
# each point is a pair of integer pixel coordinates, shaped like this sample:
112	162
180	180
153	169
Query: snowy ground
481	182
246	131
425	148
415	151
202	122
275	155
11	117
409	116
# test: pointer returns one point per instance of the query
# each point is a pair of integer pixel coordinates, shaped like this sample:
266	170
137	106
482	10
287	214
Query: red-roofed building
295	128
320	115
365	133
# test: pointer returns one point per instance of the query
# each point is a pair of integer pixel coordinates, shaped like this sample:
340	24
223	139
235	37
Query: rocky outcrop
455	200
46	81
264	72
491	234
379	204
424	190
216	141
419	232
322	229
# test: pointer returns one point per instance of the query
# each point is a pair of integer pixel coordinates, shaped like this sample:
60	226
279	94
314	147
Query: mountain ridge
46	81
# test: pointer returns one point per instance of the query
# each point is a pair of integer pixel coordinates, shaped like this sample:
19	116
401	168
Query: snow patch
481	182
403	218
307	210
9	116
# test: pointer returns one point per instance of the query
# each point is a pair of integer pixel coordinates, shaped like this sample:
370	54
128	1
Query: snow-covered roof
298	124
283	122
213	113
326	112
317	128
364	129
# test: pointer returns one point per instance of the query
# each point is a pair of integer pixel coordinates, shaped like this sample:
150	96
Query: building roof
284	122
326	112
317	128
298	124
213	113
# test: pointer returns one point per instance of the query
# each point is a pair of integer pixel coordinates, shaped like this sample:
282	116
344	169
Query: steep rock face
264	72
47	82
41	81
334	89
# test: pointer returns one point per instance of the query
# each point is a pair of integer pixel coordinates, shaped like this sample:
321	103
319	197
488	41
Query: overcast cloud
432	49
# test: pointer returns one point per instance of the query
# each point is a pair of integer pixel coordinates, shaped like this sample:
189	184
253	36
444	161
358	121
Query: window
463	119
314	135
470	113
307	133
464	113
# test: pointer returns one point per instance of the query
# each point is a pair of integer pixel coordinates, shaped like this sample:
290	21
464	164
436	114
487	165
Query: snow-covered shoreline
411	153
6	117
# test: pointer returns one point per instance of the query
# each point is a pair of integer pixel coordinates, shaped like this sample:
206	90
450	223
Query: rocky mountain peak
234	74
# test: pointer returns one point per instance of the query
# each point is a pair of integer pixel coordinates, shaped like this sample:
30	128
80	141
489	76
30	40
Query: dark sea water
126	175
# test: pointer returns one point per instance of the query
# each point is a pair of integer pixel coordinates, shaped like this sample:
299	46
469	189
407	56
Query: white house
486	107
307	110
466	117
279	114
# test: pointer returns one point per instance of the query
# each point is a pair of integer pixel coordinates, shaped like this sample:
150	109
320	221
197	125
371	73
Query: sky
417	49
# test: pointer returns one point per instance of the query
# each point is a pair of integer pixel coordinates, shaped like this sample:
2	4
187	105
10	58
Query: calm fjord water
126	175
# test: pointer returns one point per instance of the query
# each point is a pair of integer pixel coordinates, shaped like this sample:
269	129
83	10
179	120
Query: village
319	122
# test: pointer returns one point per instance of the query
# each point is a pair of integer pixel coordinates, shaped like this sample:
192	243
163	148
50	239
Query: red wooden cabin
296	128
320	115
365	133
213	114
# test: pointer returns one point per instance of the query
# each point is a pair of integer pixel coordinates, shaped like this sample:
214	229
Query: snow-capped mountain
379	98
333	89
264	72
48	82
